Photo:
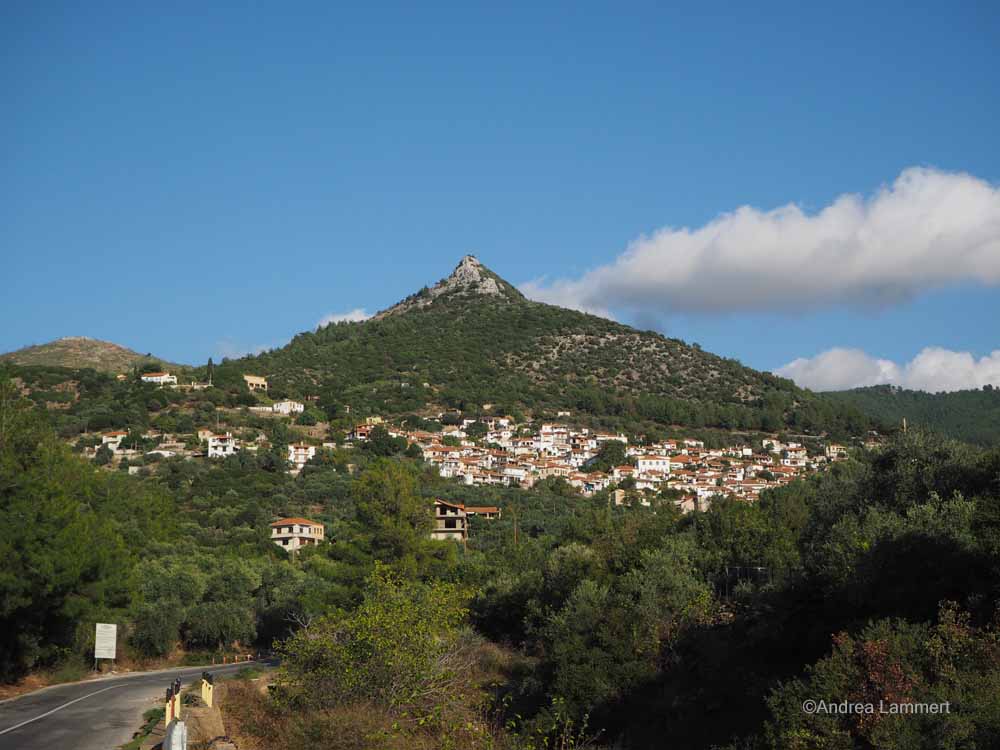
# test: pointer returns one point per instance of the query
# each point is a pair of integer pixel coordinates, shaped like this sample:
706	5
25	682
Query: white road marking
58	708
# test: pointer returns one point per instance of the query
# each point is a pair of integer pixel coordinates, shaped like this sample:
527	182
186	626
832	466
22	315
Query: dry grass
461	719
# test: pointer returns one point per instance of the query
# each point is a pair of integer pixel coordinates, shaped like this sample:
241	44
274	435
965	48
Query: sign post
105	641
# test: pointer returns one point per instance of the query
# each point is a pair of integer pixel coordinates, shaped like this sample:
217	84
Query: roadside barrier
207	688
176	737
173	705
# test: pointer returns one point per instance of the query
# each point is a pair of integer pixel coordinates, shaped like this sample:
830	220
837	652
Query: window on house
450	523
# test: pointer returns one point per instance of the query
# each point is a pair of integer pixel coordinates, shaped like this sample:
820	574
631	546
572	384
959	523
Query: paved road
97	714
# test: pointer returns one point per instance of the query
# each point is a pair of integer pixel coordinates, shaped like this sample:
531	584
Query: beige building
450	521
255	382
295	533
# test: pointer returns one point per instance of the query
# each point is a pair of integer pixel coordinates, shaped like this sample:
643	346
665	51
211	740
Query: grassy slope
78	352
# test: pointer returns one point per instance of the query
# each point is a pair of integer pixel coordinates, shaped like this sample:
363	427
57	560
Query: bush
394	650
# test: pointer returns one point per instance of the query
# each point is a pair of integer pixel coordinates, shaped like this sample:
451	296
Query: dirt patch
26	685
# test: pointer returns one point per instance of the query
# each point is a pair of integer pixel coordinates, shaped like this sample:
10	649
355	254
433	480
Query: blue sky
198	181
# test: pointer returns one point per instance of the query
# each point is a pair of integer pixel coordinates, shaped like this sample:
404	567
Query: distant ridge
78	352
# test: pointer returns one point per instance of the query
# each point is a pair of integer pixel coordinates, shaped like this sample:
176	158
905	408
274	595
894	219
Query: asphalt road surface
98	714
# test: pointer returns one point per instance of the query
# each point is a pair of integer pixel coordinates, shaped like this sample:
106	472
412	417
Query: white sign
105	641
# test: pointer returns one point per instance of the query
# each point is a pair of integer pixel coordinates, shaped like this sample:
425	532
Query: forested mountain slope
971	416
473	339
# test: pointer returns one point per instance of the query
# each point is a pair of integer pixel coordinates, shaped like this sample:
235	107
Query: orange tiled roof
299	521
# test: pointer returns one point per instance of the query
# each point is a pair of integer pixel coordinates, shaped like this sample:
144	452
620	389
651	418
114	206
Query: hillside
80	352
473	339
972	416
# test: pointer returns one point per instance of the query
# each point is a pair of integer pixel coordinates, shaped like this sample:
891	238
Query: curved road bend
98	714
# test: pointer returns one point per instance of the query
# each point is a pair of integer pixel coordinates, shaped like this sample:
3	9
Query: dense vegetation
565	618
970	416
702	628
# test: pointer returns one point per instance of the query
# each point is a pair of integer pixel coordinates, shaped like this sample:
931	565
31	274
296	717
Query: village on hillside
496	450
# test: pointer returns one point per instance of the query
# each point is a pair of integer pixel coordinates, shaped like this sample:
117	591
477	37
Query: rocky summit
469	278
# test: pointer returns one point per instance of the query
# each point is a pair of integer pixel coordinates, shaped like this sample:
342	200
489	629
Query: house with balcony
255	383
220	446
299	455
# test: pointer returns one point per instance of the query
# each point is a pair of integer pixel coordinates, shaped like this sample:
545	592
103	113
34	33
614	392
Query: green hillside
473	340
971	416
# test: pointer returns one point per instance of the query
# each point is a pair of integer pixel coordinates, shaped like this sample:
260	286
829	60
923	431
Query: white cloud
352	316
927	230
933	369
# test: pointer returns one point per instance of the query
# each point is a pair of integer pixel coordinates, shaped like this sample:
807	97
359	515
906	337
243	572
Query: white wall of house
220	446
288	407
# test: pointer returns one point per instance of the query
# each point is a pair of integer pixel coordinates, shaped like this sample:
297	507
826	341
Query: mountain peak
469	279
472	276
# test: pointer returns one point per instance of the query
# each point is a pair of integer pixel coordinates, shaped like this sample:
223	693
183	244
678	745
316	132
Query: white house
652	463
220	446
624	471
294	533
299	454
113	439
288	407
159	378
